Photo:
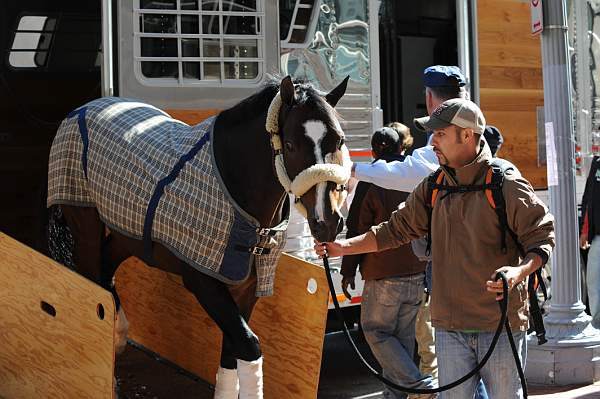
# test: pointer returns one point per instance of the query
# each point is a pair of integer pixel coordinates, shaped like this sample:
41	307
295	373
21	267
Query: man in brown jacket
394	279
467	253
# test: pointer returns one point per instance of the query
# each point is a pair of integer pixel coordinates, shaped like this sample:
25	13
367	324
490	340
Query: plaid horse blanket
154	178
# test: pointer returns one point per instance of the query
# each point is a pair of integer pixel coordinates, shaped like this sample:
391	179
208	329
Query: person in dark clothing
494	138
590	238
394	279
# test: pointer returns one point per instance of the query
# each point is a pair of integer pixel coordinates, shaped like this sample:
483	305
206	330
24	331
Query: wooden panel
510	77
511	84
168	320
512	56
510	99
191	116
68	355
495	13
520	142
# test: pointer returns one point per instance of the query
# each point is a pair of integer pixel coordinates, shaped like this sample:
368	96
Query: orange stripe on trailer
360	153
192	116
340	297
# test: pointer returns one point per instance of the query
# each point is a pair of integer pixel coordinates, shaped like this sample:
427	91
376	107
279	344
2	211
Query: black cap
385	138
493	137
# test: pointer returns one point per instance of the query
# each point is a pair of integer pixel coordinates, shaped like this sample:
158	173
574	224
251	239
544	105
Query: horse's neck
244	157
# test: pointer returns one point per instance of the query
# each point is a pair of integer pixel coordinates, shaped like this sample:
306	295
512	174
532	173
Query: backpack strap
535	281
434	181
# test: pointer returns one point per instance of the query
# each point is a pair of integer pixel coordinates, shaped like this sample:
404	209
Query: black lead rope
503	323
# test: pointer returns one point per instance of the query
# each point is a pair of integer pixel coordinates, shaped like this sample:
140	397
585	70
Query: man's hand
329	249
583	241
348	281
514	275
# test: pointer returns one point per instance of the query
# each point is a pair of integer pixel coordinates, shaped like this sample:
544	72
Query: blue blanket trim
83	130
243	234
159	191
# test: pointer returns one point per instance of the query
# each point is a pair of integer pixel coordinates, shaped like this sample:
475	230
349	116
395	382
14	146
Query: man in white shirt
441	83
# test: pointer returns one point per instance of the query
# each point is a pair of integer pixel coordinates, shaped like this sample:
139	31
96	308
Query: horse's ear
287	91
334	95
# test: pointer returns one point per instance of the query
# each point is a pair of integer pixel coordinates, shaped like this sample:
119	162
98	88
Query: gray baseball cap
456	111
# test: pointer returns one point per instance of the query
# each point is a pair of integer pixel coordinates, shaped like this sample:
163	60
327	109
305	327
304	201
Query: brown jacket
466	244
375	207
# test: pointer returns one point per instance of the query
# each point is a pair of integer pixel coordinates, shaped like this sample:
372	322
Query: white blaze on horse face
316	130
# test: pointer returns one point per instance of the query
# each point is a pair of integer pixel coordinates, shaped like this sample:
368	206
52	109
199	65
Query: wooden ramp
165	318
56	329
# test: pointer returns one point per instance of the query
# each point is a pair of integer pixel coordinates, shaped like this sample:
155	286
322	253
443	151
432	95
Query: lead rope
503	323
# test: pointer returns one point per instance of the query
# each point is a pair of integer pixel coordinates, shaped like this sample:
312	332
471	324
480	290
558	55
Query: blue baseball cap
443	76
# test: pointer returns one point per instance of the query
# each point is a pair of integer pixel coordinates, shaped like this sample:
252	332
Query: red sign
537	17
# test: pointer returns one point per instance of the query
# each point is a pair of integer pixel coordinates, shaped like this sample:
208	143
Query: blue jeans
388	314
459	352
593	280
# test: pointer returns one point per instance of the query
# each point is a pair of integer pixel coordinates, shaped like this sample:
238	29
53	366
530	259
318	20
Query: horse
284	139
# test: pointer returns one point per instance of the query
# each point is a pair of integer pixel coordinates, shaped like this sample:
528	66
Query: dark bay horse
284	138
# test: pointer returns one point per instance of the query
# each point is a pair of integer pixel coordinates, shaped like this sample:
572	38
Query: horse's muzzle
326	231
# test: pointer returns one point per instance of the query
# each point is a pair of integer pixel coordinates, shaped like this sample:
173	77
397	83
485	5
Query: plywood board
168	320
66	355
492	77
511	84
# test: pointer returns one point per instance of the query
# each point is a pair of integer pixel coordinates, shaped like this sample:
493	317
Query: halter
334	170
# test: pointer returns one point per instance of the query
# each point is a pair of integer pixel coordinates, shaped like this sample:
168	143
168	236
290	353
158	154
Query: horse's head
315	160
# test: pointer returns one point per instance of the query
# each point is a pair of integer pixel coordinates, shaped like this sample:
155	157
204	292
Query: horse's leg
227	386
88	234
219	304
89	256
115	251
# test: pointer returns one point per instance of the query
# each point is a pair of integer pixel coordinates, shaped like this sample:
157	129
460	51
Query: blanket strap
83	131
159	191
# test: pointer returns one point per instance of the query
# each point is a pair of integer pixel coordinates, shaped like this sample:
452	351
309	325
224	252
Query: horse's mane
252	106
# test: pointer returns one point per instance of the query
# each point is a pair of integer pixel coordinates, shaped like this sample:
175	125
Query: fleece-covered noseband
336	169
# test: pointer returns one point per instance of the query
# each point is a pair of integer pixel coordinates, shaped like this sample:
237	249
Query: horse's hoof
121	328
116	386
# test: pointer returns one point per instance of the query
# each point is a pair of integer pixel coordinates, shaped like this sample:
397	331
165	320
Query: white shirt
399	175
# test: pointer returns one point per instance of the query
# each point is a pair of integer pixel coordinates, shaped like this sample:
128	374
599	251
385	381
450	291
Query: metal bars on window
199	42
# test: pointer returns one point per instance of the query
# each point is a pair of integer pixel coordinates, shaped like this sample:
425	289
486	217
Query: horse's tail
60	239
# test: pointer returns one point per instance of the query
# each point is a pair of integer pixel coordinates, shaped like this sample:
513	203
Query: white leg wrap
251	379
227	386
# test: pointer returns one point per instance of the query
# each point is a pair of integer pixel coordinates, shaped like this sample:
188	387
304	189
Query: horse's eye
341	142
289	146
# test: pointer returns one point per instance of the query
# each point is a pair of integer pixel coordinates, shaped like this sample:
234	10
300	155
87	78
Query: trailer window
62	42
196	42
32	42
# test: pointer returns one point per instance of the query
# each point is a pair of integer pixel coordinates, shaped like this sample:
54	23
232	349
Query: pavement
568	392
142	375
